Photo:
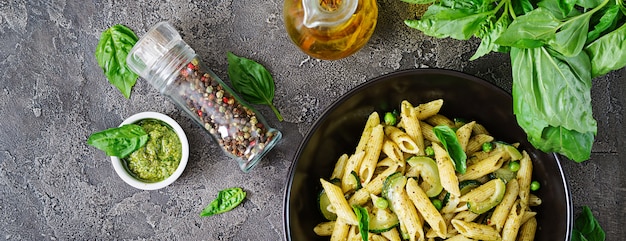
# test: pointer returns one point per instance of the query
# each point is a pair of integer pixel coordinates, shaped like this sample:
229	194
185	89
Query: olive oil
330	29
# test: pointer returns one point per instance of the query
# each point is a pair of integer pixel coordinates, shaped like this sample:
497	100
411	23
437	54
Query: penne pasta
347	183
372	153
464	133
476	231
423	111
340	231
339	202
411	125
339	167
527	231
324	228
501	212
524	177
447	175
482	168
426	208
513	221
439	119
403	140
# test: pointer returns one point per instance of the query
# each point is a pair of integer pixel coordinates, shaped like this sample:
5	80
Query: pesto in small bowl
161	160
159	157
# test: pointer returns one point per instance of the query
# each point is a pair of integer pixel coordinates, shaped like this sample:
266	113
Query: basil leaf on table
587	227
252	81
607	52
531	30
226	200
489	36
571	37
111	52
363	217
551	92
120	141
450	142
441	22
608	19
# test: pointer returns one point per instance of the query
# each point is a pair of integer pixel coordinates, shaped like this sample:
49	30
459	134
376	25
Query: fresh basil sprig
226	200
556	48
120	141
363	217
111	52
450	142
252	81
587	228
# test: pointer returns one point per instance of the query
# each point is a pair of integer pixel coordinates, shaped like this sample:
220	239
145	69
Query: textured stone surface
53	96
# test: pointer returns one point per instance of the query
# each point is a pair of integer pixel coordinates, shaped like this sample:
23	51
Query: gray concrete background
53	96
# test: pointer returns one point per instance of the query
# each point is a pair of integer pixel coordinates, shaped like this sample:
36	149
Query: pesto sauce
159	157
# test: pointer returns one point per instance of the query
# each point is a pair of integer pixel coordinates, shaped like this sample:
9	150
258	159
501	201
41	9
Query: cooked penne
466	216
411	125
428	133
406	211
464	133
459	237
524	177
501	212
439	119
476	142
402	139
527	231
392	150
339	202
372	120
339	167
533	200
482	168
447	175
347	182
476	231
513	221
480	130
340	231
428	109
426	208
392	235
372	153
324	228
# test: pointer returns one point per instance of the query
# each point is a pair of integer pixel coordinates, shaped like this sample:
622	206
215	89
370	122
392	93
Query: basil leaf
442	22
521	7
566	6
488	37
531	30
587	227
120	141
448	139
589	3
608	19
226	200
552	101
363	217
607	52
111	52
572	36
252	81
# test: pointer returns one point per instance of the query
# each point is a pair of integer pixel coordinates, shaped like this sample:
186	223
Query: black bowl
339	128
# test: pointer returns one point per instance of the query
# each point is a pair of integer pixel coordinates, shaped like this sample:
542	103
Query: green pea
535	185
382	203
487	146
390	119
438	204
430	151
514	166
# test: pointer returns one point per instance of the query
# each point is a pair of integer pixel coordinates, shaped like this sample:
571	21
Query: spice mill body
163	59
330	29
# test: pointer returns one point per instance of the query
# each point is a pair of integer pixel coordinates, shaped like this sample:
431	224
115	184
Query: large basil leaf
607	52
589	3
488	36
226	200
572	36
252	81
441	22
120	141
531	30
607	20
363	216
566	6
552	101
111	52
450	142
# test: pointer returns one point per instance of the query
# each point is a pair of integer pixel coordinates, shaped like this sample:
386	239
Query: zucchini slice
468	185
382	219
323	204
509	149
429	172
504	173
354	182
486	196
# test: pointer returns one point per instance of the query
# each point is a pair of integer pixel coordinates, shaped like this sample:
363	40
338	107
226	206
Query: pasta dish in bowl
424	154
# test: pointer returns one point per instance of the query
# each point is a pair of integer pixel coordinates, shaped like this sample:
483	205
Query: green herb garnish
587	228
226	200
119	141
363	217
111	52
450	142
556	48
252	81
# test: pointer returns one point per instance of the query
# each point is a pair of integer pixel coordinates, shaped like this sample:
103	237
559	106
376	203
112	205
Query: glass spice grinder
163	59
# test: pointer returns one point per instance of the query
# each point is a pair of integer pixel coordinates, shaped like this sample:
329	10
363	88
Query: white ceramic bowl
128	178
